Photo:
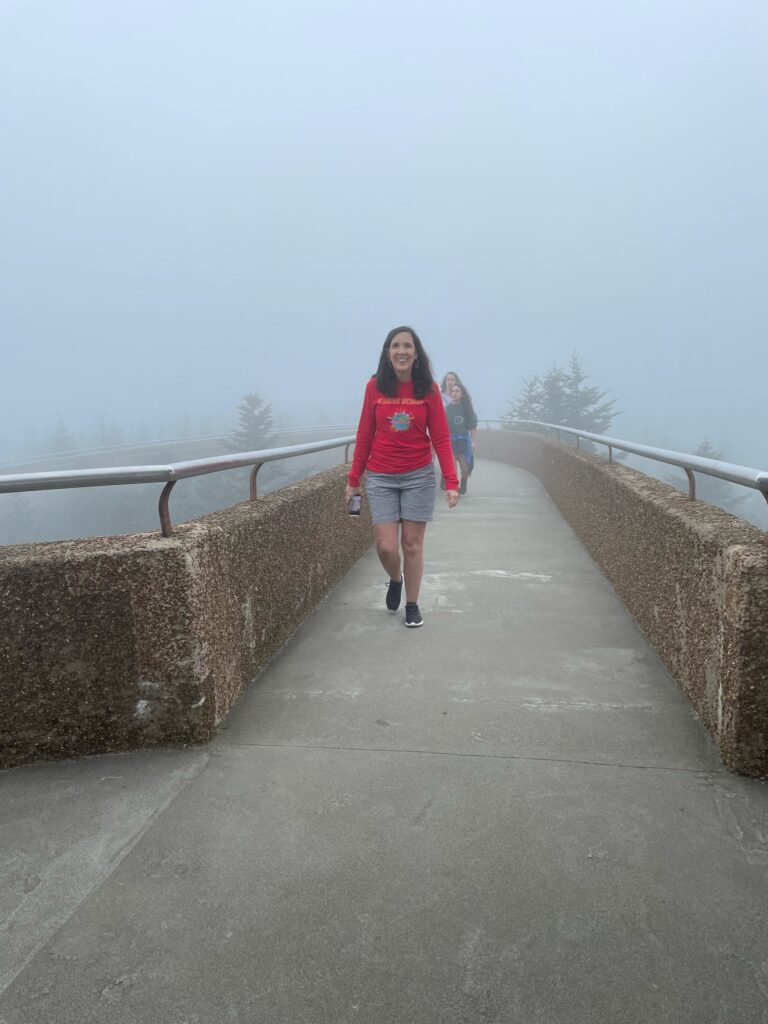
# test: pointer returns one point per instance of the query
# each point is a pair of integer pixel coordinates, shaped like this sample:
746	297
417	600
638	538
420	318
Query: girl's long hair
465	395
459	381
466	398
386	378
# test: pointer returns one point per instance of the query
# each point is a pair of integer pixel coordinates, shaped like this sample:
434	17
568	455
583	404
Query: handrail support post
165	516
257	466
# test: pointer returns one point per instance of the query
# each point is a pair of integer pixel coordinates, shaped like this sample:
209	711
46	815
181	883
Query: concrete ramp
509	815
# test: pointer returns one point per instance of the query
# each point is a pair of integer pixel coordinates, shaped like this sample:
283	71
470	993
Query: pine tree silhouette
562	397
255	427
711	488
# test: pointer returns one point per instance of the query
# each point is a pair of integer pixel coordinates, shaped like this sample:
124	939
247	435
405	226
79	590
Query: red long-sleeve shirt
397	435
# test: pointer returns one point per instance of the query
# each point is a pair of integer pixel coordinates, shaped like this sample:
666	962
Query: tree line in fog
99	511
559	395
563	396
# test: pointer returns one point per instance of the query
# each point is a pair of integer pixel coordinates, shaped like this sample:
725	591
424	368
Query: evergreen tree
585	406
531	403
556	402
62	439
563	397
255	429
108	434
711	488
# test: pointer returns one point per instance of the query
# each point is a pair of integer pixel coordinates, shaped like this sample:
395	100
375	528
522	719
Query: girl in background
462	423
446	384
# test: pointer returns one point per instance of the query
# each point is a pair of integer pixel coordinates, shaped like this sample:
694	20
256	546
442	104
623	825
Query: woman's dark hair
386	378
465	395
466	399
457	378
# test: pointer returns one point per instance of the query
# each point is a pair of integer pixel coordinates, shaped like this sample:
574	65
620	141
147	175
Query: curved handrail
734	473
167	474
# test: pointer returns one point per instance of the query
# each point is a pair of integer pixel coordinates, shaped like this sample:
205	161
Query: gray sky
202	199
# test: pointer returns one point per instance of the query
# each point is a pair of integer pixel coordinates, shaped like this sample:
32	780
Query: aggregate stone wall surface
694	577
114	643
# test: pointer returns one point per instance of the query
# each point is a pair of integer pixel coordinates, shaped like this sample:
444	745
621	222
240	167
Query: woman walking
462	423
450	378
403	418
447	384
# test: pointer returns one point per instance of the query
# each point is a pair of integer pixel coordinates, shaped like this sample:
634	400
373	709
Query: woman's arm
366	429
437	425
471	418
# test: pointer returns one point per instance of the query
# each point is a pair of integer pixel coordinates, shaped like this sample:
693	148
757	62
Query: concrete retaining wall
115	643
694	577
123	642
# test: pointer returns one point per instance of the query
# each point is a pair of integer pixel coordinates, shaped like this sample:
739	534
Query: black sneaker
394	590
463	488
413	615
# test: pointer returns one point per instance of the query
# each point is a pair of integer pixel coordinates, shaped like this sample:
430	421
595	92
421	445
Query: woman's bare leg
463	469
388	547
412	539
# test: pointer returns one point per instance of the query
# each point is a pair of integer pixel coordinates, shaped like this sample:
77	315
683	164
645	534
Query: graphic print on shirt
400	420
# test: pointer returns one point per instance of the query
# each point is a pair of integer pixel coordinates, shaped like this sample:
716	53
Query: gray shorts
396	496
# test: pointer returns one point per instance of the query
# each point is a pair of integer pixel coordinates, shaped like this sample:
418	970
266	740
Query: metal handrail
169	474
747	476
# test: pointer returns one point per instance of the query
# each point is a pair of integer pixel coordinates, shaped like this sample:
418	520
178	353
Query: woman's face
450	380
456	393
402	353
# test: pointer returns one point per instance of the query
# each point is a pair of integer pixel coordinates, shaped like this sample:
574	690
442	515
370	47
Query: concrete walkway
510	815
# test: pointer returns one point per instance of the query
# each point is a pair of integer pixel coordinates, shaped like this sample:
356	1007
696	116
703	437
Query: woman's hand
452	498
350	491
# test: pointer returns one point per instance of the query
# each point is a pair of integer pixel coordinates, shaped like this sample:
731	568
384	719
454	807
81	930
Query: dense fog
201	201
